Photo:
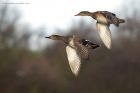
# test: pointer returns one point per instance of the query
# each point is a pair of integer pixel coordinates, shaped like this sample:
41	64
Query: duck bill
47	37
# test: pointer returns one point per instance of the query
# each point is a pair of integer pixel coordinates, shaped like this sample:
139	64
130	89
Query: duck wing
105	34
74	60
111	17
108	13
82	50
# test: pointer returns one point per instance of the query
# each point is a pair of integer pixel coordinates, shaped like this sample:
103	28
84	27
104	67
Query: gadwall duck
104	19
76	50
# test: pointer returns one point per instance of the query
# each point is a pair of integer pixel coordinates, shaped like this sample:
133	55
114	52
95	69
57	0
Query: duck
104	19
77	49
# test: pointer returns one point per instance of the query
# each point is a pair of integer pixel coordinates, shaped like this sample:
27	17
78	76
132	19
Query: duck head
84	13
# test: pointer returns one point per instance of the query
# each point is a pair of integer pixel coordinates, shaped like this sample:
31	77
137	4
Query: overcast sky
59	13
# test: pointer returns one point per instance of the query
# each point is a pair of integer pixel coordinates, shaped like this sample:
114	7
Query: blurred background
29	63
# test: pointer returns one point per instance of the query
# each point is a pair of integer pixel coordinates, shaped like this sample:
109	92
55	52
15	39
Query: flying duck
104	19
76	49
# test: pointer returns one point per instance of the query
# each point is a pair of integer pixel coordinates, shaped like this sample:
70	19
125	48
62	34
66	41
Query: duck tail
121	20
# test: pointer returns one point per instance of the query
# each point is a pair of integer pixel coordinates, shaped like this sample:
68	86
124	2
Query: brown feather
82	50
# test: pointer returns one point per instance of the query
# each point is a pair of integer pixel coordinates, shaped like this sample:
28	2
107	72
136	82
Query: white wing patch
105	34
74	60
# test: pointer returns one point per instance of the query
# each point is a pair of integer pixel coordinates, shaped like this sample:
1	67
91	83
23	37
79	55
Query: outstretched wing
82	50
105	34
74	60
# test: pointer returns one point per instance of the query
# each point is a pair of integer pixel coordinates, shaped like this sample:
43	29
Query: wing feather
74	60
105	34
82	50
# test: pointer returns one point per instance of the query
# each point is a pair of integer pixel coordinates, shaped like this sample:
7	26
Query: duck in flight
104	19
76	49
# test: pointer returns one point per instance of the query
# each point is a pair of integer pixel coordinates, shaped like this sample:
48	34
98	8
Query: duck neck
64	39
